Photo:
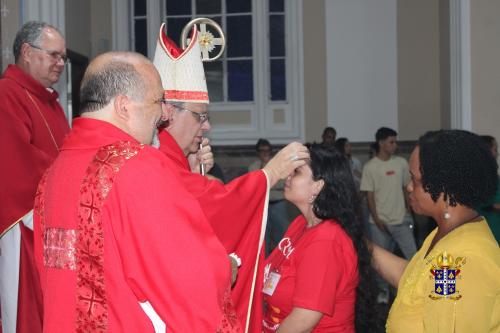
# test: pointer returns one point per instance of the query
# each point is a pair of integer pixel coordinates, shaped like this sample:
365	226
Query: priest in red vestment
32	129
237	211
120	244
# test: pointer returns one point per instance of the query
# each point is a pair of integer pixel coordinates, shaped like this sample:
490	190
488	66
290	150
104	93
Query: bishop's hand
285	161
203	155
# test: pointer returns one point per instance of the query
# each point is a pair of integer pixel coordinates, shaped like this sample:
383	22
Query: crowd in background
381	183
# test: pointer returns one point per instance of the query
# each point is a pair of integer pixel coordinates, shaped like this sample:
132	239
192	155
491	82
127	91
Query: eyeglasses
201	117
54	54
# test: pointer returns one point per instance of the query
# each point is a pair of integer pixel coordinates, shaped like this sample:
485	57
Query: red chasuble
114	227
32	128
236	213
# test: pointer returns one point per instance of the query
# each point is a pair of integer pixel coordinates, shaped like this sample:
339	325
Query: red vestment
27	112
32	129
236	213
115	227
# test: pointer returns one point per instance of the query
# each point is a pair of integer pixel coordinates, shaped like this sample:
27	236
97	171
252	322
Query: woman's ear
318	186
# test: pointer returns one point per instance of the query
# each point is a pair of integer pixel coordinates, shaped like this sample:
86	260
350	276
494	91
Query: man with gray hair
118	239
32	129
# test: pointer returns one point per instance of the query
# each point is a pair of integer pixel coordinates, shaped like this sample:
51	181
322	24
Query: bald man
116	234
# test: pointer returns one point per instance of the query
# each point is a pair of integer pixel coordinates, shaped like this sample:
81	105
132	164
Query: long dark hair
339	200
340	145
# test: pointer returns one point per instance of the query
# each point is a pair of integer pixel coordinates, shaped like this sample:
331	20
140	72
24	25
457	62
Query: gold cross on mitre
206	38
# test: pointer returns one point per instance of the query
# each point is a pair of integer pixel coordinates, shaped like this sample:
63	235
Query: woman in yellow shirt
452	284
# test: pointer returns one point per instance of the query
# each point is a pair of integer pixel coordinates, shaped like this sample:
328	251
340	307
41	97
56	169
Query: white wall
315	101
361	37
485	71
78	36
419	68
9	20
100	26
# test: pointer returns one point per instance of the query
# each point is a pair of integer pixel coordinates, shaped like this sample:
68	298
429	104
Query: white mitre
181	71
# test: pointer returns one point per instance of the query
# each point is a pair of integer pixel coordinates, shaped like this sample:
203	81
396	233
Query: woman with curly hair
319	278
452	283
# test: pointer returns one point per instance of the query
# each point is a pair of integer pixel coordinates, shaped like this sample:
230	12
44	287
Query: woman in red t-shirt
319	277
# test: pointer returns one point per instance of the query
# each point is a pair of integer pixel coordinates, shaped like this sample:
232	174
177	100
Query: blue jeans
400	234
277	224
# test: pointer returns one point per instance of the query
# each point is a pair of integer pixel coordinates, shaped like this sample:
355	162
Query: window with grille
255	73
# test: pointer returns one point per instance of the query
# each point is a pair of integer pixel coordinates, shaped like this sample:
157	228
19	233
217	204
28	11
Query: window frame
262	110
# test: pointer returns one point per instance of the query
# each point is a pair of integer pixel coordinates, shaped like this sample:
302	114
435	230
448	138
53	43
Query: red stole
235	212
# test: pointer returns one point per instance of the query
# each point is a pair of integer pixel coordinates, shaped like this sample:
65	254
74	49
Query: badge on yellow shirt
445	272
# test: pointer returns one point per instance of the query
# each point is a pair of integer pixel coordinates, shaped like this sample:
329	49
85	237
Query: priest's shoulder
148	162
8	88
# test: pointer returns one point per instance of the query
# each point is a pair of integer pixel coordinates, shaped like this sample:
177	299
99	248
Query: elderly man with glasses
236	211
32	130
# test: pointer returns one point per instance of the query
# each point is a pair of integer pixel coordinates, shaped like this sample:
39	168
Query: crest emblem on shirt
445	272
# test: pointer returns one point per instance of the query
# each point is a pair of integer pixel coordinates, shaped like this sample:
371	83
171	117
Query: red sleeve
169	254
232	208
235	212
318	277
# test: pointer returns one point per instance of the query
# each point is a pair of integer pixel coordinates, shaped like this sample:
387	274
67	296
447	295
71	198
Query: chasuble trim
58	244
83	249
59	248
91	302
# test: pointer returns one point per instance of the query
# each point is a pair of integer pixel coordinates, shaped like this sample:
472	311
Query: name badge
271	283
